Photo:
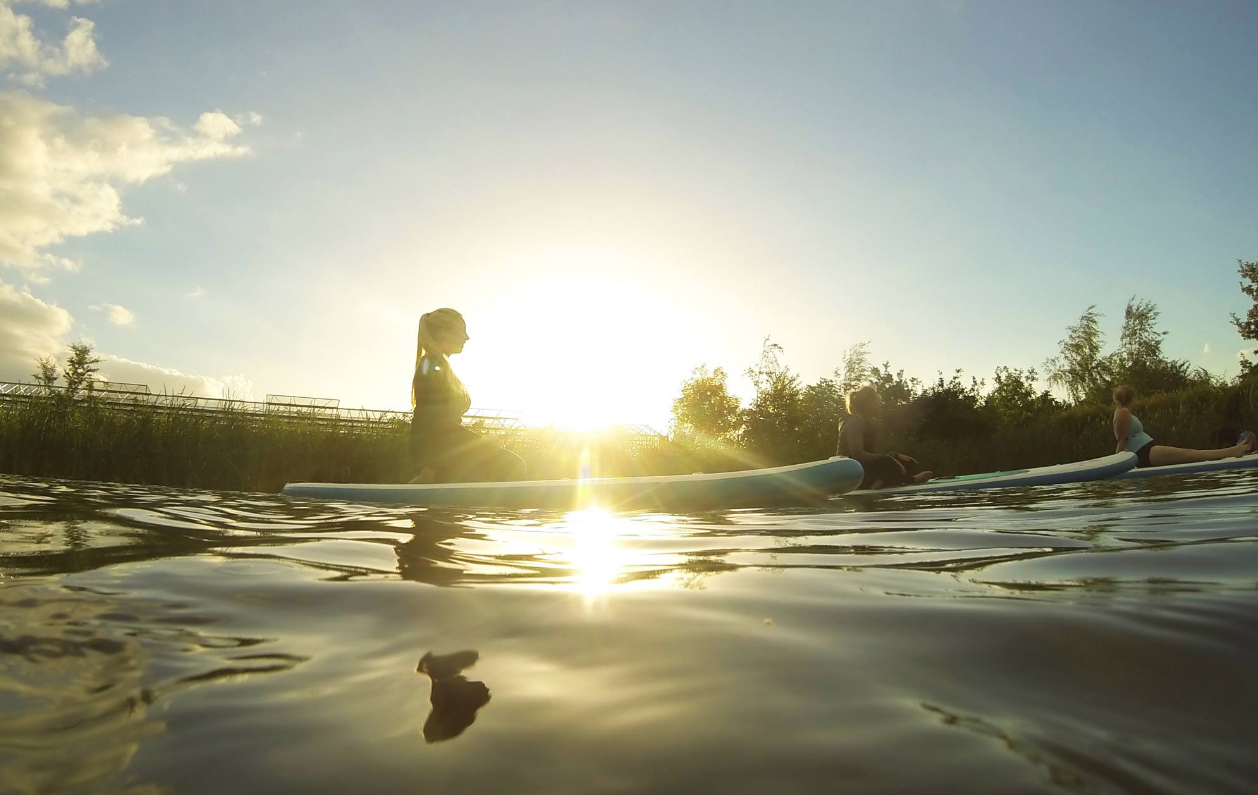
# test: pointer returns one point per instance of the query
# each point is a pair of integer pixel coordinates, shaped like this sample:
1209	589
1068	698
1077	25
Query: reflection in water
455	700
593	555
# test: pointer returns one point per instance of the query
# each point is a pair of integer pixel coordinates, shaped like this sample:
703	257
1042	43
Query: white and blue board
1077	472
797	484
1193	468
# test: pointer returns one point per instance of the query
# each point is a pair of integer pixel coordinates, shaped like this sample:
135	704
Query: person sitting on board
858	438
443	451
1131	437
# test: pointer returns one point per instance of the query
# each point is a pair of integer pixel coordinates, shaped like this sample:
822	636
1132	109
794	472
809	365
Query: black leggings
883	467
463	456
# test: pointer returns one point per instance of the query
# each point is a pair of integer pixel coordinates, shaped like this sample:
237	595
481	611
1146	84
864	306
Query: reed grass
89	439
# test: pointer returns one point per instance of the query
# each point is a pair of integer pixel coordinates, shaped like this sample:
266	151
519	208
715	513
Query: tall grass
94	440
90	439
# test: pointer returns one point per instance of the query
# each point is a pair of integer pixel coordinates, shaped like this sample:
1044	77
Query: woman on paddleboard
442	450
1131	437
858	438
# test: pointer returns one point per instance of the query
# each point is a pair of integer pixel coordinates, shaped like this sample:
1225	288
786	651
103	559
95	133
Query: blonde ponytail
430	325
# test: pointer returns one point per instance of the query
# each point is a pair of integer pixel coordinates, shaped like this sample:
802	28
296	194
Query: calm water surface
1099	638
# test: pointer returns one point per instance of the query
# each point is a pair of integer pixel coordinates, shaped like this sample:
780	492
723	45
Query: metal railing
123	396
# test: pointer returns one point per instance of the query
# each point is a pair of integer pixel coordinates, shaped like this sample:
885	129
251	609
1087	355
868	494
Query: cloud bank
61	177
29	58
60	171
165	379
29	329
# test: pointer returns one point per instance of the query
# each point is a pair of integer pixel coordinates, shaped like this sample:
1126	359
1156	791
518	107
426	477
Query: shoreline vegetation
952	425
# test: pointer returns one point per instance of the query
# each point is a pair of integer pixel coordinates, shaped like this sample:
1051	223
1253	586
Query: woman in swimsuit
443	450
1131	437
858	438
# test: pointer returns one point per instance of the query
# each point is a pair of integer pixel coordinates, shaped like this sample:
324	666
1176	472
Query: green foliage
1089	377
1079	368
951	410
855	372
705	411
1014	398
821	406
80	370
138	443
893	387
1248	325
46	375
771	424
1140	342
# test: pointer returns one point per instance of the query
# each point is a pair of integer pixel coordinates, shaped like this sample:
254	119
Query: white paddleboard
1077	472
1224	465
797	484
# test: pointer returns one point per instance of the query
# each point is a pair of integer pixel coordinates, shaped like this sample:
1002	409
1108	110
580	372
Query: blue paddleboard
1244	462
1077	472
797	484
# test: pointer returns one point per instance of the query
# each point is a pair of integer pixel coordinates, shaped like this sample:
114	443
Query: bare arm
1122	424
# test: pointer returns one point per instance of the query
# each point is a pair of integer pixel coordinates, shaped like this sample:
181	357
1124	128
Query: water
1098	638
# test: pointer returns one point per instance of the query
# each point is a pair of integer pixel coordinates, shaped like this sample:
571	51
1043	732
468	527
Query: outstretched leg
1161	455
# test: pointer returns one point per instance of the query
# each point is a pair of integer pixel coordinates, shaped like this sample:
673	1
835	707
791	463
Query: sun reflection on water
594	554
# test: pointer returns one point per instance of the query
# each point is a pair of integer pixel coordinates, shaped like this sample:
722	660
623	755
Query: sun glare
595	558
599	350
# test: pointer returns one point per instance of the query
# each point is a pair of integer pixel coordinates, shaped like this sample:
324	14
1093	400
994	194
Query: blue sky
613	193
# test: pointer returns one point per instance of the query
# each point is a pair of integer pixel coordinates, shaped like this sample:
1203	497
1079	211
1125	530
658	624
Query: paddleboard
1077	472
797	484
1195	468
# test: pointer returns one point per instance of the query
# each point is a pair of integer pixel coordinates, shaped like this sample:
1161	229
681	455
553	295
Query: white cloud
26	56
217	126
57	3
29	329
60	171
165	379
1206	349
118	315
195	292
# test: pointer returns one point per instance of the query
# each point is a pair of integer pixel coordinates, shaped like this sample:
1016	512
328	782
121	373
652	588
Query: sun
579	354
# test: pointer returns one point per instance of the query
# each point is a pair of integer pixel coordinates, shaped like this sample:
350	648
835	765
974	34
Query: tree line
788	420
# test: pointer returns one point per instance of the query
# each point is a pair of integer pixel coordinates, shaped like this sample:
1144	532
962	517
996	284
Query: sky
262	198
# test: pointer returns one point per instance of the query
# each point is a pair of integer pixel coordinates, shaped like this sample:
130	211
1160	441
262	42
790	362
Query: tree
895	390
1248	326
1014	398
1079	368
80	368
1140	343
952	411
772	423
855	371
705	409
822	404
47	375
1139	359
